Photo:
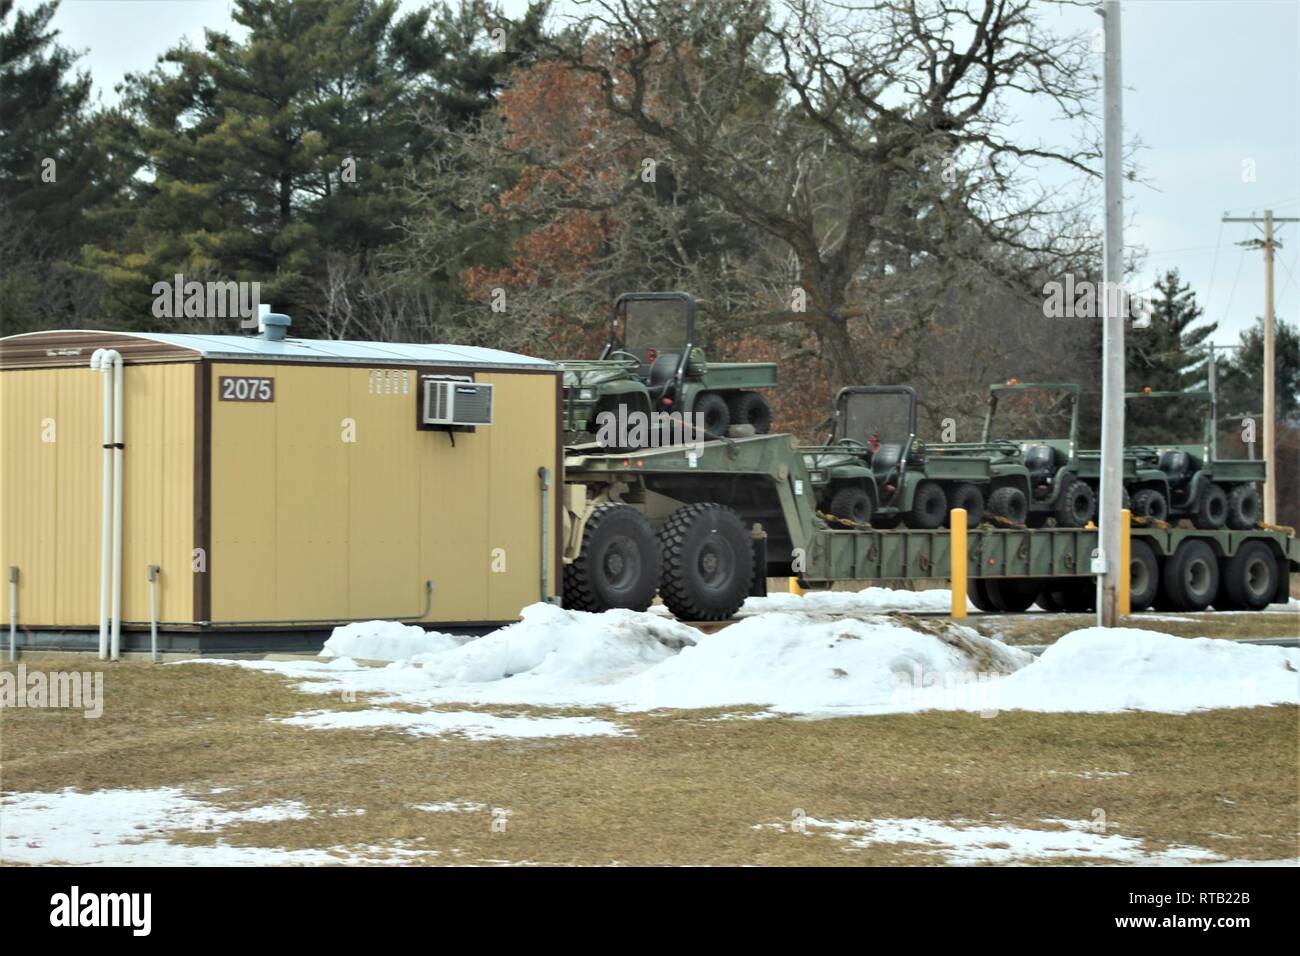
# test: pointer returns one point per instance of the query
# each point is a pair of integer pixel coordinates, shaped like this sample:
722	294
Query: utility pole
1115	305
1270	360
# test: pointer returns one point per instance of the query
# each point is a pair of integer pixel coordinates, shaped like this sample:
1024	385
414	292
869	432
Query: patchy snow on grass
471	724
132	828
966	842
450	806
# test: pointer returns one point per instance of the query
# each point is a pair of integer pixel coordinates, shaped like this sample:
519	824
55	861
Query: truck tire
1078	505
1211	509
978	593
968	496
929	507
1010	503
751	408
1012	595
1150	503
1076	595
707	562
618	564
1047	602
715	414
884	522
852	503
1250	576
1191	576
1243	507
1143	575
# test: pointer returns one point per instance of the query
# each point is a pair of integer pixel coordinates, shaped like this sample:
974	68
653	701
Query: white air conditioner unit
456	402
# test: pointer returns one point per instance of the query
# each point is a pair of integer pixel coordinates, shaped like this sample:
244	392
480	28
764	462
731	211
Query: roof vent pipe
275	326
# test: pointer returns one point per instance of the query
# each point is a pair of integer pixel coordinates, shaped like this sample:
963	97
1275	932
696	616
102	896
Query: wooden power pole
1270	360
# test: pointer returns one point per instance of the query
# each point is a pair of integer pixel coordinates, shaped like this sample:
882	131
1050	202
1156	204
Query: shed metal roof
71	347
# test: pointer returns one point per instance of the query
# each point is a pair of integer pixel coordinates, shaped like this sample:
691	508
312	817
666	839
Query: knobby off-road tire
1150	503
751	408
618	564
1211	509
716	414
929	507
968	496
1010	503
707	562
1078	505
1244	509
852	503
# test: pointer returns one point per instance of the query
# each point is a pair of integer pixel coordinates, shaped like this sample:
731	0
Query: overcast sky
1210	85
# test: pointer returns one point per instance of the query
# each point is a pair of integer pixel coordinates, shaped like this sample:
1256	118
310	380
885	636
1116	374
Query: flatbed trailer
764	481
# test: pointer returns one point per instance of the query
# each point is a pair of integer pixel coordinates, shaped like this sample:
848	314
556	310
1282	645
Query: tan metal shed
279	485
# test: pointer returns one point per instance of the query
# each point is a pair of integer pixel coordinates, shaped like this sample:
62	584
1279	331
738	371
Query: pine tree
1168	356
1171	355
52	169
1241	376
270	157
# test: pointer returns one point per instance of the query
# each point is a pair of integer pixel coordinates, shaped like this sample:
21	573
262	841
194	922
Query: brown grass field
682	790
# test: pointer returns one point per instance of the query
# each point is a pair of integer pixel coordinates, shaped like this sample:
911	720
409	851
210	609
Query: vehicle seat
1040	460
1177	466
661	373
885	459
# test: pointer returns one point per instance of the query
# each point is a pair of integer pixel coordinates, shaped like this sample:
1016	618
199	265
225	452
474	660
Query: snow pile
1100	669
386	641
870	599
631	661
131	828
788	663
965	843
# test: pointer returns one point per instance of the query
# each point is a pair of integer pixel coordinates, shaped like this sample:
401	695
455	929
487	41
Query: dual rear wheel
701	562
1191	579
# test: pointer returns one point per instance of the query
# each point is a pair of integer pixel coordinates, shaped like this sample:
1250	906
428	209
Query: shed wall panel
329	502
50	491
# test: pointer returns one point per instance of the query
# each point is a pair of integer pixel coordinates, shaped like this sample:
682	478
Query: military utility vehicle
651	365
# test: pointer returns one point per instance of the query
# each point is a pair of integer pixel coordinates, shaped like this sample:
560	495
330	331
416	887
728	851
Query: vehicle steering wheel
625	354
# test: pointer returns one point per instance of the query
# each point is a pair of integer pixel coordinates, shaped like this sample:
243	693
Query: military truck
651	365
1033	480
1174	479
872	470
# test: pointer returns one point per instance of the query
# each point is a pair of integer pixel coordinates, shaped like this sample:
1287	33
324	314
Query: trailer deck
765	481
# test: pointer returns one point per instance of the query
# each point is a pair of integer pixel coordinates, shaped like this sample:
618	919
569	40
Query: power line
1213	266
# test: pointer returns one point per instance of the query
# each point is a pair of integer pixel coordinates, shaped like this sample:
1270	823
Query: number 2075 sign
245	388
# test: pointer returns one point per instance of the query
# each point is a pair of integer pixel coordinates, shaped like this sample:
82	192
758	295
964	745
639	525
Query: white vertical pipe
117	502
97	362
1112	381
13	612
153	612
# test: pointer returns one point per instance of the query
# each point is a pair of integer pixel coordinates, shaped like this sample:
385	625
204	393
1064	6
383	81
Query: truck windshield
1022	414
654	324
1165	420
885	416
